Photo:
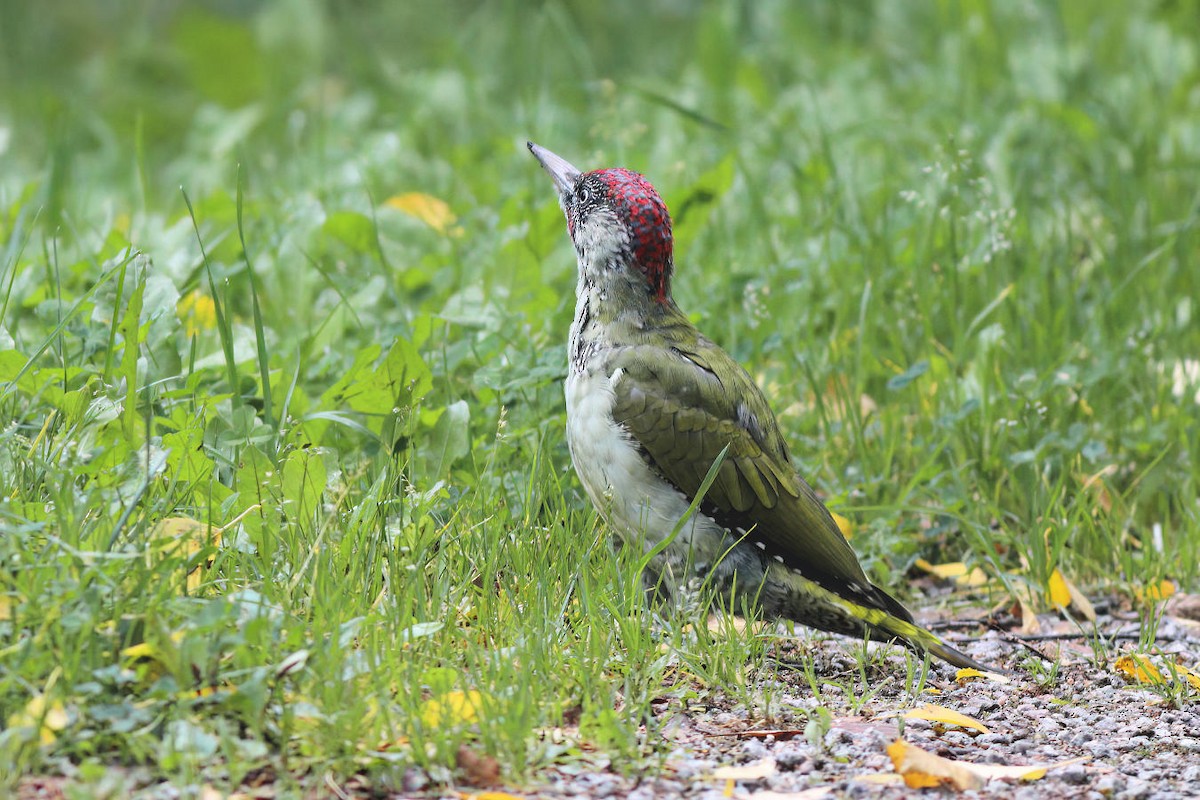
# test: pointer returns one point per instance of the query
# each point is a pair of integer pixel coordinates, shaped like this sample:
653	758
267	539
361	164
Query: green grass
958	242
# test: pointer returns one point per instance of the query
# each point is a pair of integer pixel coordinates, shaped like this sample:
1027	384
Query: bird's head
617	222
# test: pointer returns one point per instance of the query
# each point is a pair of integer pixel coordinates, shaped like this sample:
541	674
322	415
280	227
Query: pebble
1136	748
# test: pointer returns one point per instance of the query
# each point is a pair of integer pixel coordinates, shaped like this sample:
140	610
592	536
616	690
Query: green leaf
258	491
303	483
131	336
400	381
908	376
352	229
448	442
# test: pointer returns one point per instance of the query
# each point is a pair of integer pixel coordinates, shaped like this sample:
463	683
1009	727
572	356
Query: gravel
1123	740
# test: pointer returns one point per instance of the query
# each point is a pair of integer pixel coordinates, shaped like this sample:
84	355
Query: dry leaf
492	796
451	708
430	210
47	719
478	769
1060	595
956	571
1189	675
1156	591
1029	620
921	768
946	716
1095	484
967	674
1139	668
183	536
755	771
1081	604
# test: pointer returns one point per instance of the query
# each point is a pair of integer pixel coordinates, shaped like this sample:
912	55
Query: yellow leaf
452	708
1060	595
1155	591
953	569
966	674
921	768
843	524
197	312
1139	668
185	537
946	716
140	650
430	210
46	718
1190	675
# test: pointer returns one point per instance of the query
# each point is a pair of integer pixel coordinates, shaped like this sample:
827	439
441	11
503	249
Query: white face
601	242
619	225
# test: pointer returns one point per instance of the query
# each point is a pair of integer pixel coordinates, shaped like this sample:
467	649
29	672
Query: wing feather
756	487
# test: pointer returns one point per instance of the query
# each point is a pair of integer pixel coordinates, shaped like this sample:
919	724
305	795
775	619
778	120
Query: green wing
712	403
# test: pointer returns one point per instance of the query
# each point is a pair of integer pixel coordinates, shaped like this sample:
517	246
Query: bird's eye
583	194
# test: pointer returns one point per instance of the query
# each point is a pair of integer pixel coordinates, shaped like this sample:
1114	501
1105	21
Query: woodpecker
653	404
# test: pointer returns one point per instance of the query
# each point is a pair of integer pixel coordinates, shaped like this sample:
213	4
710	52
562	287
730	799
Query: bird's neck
614	308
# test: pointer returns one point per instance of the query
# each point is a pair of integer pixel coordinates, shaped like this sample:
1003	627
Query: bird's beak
565	176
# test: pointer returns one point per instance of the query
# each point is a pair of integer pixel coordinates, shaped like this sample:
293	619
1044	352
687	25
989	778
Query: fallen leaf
1080	603
1189	675
1057	589
956	571
1139	668
451	708
47	719
755	771
478	769
186	537
427	208
1064	594
921	769
967	674
946	716
1029	621
1156	591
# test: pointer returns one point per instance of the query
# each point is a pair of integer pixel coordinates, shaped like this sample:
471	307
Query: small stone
754	748
1074	774
791	759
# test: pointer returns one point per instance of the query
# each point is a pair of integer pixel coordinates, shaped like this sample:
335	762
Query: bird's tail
856	611
894	621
